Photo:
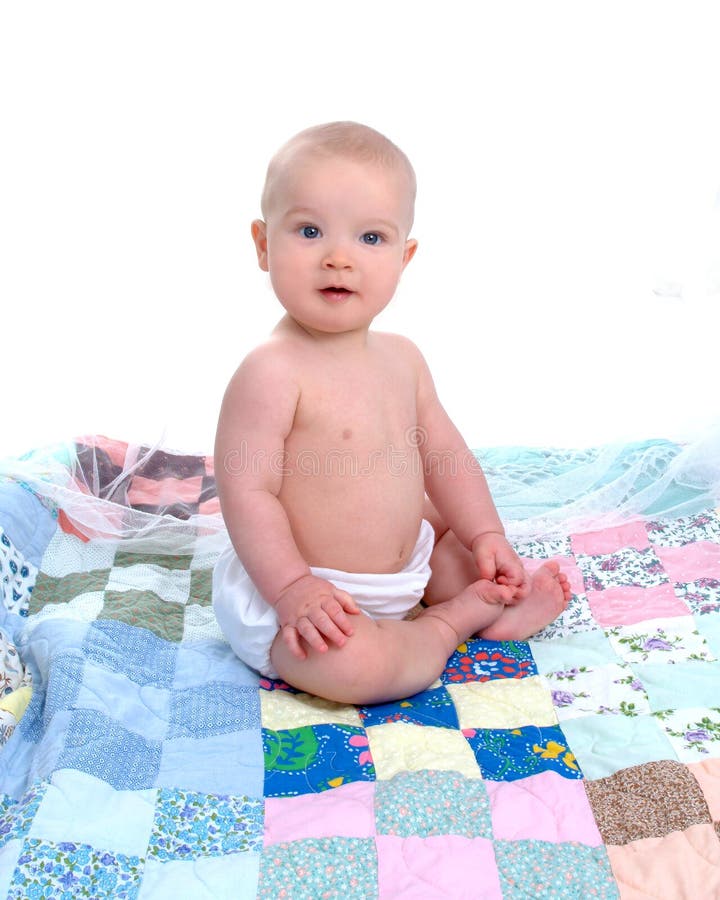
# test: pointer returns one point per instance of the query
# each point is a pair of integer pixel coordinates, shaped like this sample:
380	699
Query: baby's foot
473	609
549	595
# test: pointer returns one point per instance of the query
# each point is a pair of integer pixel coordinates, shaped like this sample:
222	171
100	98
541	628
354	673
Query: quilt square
611	540
543	807
607	690
189	825
402	747
17	577
61	590
142	709
89	811
656	859
544	549
605	744
478	660
100	747
451	866
141	655
694	732
586	648
66	554
625	568
672	687
172	585
144	609
216	707
660	641
319	867
46	869
503	704
64	678
200	624
702	595
315	758
700	560
576	617
283	709
685	529
177	562
16	818
431	802
433	707
200	592
346	811
209	877
627	606
707	775
230	764
650	800
510	754
541	869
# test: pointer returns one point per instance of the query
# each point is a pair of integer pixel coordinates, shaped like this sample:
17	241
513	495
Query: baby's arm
455	483
255	418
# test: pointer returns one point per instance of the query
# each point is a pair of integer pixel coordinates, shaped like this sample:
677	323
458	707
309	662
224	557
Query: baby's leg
389	659
453	567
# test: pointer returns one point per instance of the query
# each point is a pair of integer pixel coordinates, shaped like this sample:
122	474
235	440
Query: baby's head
343	140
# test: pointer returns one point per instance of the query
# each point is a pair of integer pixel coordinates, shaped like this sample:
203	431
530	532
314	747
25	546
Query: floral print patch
563	871
16	818
702	595
660	641
544	549
315	758
333	868
685	530
478	660
189	824
431	802
694	733
510	754
17	577
576	617
626	568
68	870
608	690
434	707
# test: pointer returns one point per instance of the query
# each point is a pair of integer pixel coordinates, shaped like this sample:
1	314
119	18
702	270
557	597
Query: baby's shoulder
399	347
268	366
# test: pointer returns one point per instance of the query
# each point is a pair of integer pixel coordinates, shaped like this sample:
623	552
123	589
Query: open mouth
335	293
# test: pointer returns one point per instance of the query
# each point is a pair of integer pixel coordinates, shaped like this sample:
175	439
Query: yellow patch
550	751
335	782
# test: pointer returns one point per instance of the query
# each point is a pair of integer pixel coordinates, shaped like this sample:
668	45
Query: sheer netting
167	502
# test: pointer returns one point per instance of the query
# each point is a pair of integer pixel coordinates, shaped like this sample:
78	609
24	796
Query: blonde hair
349	140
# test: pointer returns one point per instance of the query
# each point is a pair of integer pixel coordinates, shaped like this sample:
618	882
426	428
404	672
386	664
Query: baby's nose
338	257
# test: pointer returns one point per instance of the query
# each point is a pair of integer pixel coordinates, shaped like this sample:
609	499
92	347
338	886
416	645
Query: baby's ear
409	252
258	229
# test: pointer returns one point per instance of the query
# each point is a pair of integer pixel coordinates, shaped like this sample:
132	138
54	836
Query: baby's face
335	241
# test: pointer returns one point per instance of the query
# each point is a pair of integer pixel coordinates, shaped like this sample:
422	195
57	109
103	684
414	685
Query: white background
566	287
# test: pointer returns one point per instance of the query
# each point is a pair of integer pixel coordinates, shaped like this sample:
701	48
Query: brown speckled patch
645	801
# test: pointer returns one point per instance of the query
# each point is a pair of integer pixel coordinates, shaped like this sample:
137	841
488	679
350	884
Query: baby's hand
497	561
315	610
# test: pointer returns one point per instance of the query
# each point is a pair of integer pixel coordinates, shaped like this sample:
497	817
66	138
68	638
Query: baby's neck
343	341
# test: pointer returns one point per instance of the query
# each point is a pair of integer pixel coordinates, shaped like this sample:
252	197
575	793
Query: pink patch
544	807
628	605
168	490
345	811
699	560
210	507
444	866
610	540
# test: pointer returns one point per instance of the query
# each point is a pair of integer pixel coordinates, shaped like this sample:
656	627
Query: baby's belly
355	523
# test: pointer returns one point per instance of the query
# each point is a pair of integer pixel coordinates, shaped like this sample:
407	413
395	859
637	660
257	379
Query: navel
347	434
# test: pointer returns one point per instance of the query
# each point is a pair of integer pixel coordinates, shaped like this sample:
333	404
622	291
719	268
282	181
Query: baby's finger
346	601
290	636
309	632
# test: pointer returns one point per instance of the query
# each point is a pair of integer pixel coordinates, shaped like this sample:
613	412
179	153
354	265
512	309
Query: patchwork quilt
141	759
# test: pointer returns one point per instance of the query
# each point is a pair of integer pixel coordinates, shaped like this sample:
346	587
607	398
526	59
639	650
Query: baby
347	491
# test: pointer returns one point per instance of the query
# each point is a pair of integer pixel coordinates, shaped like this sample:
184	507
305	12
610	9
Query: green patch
201	587
144	609
123	559
49	589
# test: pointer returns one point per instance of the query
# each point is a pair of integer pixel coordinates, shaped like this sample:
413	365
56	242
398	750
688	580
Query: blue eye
310	232
372	238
